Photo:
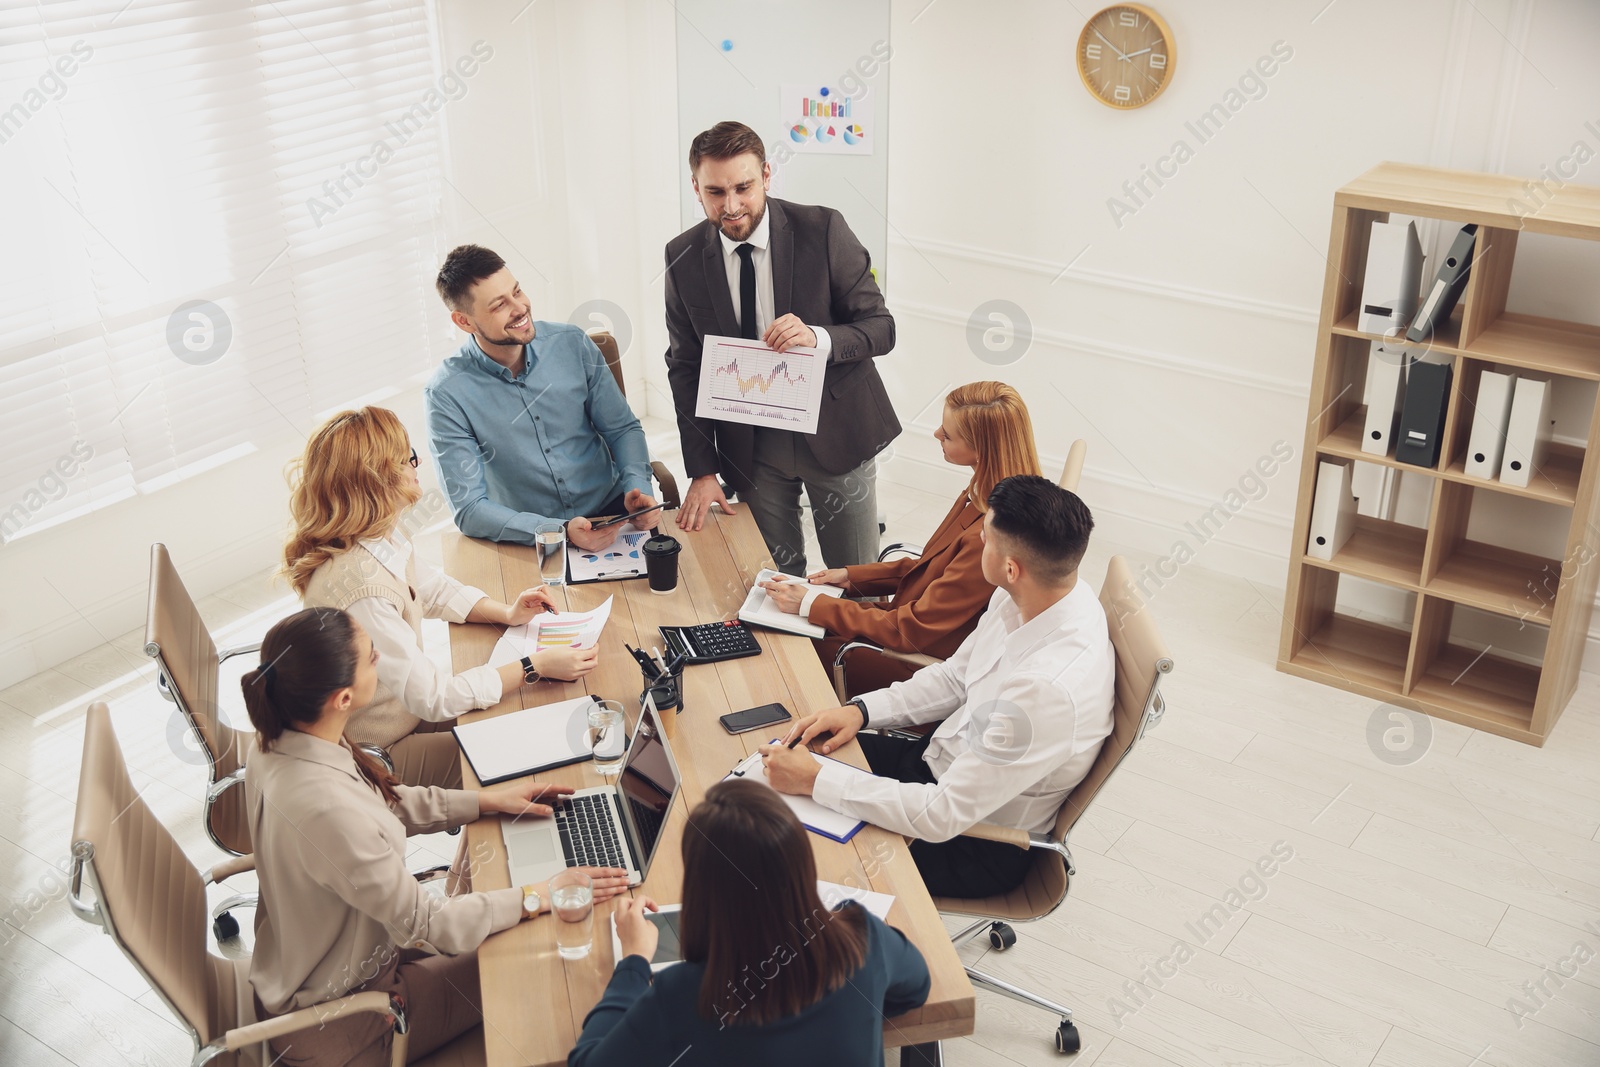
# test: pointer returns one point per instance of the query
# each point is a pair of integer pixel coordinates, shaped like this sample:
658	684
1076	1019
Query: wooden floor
1440	914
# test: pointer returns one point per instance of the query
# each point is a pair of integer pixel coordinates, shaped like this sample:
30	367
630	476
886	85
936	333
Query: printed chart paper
622	558
567	629
745	381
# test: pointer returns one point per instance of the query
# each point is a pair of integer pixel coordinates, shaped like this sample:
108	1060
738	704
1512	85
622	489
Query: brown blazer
937	599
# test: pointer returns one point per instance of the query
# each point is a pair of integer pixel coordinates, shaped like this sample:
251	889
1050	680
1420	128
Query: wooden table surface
533	1001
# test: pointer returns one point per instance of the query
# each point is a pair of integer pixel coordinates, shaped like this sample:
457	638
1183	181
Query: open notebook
758	609
813	816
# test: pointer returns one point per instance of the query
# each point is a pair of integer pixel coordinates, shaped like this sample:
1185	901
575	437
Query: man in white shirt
1026	703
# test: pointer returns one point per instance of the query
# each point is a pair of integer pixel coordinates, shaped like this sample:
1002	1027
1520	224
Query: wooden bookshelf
1422	665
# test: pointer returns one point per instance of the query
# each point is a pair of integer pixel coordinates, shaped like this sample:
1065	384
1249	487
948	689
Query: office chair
1071	471
175	636
1141	660
145	893
664	478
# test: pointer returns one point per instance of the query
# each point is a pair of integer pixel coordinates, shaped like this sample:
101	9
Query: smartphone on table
740	722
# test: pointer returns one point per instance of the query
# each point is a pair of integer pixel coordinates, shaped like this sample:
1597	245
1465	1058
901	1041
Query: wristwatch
530	673
532	903
861	706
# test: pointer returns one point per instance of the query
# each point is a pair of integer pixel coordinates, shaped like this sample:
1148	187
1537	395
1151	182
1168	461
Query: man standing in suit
788	274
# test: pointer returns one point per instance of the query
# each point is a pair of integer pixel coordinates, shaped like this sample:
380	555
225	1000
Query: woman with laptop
348	550
339	912
769	975
934	599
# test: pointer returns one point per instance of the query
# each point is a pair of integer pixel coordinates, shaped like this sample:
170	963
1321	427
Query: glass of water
607	736
551	537
572	903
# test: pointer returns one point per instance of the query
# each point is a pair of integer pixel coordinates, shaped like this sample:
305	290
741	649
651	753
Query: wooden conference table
534	1003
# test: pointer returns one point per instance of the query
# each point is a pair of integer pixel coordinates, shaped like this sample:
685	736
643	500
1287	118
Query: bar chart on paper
745	381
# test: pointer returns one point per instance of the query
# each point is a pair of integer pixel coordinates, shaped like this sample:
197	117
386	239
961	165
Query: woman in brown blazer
934	599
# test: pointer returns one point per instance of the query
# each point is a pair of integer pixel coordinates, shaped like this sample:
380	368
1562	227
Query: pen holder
668	692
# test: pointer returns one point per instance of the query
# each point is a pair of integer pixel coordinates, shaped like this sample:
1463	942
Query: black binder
1446	289
1422	417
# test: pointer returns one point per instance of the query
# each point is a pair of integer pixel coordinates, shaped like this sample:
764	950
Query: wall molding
1128	283
1125	353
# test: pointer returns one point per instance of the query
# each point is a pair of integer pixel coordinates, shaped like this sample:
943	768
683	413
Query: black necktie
747	292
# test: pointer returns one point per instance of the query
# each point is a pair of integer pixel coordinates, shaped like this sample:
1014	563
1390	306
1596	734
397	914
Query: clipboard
621	561
824	822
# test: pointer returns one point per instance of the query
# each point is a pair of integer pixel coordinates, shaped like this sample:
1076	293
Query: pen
624	518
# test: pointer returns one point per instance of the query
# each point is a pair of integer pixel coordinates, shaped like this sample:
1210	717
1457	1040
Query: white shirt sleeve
406	671
442	597
824	343
1017	743
928	695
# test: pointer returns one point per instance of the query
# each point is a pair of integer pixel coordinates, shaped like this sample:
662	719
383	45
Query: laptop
616	825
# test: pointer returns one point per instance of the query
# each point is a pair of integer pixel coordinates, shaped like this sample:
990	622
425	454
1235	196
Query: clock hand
1114	48
1140	52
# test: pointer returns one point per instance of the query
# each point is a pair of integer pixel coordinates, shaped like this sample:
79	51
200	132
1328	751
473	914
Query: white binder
1394	275
1385	393
1490	414
1333	510
1527	431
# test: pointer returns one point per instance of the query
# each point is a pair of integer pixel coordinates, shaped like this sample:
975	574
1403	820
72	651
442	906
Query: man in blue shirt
525	421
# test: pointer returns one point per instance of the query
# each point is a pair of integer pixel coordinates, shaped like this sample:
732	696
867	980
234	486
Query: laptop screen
648	785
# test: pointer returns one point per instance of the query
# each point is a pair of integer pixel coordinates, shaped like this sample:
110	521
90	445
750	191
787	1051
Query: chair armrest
669	484
306	1018
901	547
223	784
1005	835
378	753
840	671
229	867
224	655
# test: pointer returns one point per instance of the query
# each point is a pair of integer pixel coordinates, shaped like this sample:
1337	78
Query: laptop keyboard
588	831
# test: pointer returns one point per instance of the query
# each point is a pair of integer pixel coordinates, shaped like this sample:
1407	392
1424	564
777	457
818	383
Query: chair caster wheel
225	926
1067	1037
1001	936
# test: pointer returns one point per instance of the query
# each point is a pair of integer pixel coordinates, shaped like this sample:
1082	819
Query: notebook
758	609
527	741
813	816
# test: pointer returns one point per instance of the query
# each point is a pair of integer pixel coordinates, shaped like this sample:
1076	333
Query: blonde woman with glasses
934	600
347	550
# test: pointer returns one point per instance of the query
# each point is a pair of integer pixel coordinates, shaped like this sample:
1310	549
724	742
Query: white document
833	894
565	629
1527	431
745	381
1490	414
1393	276
1386	390
527	741
622	558
1333	510
812	816
759	610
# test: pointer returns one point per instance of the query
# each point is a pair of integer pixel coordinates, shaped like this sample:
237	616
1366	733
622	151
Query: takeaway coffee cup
661	562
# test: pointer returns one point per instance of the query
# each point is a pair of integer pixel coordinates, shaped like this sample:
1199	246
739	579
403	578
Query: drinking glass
551	537
572	903
607	736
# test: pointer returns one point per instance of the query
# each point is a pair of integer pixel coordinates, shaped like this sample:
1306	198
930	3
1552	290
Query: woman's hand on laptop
608	882
521	798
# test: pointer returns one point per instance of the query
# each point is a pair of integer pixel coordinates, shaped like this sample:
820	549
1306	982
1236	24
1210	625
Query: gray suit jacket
820	274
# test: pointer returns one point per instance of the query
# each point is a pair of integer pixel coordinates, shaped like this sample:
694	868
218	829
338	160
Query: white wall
1179	344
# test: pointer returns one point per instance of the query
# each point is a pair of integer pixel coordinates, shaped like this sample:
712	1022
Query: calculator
711	642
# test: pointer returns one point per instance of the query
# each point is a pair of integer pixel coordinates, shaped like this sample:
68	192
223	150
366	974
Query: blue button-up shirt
556	441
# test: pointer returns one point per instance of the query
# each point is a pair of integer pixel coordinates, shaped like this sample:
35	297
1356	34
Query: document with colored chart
745	381
567	629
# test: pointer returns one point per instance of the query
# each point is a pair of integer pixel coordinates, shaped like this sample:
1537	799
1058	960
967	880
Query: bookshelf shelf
1422	663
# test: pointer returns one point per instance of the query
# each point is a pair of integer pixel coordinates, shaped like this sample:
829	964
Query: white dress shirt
403	668
761	240
1028	705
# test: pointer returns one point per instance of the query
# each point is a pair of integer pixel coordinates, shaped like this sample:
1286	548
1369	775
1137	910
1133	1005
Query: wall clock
1125	56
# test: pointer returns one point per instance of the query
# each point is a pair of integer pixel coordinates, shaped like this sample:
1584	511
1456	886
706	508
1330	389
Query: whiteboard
734	58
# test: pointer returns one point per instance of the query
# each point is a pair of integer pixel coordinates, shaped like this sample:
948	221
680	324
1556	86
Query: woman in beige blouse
339	911
348	551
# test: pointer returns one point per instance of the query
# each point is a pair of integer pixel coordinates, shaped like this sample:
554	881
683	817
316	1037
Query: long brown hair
306	658
751	912
350	486
991	417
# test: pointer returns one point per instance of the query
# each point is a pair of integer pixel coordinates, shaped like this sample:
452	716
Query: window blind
223	221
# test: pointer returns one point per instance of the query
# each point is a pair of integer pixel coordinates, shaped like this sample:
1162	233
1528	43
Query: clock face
1125	56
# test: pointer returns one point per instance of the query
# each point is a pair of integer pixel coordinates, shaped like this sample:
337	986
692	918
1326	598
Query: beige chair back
607	345
176	637
144	891
1072	470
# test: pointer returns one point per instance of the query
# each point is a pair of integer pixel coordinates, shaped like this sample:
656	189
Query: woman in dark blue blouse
770	975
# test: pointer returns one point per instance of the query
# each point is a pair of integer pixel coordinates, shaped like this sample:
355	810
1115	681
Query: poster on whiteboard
821	118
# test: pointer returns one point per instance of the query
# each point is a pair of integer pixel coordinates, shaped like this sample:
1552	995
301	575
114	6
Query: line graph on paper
745	381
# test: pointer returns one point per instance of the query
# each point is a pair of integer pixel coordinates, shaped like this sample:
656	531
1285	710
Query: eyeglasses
414	461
